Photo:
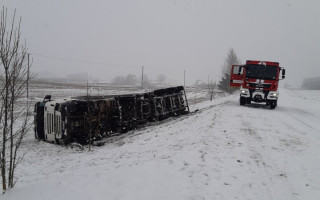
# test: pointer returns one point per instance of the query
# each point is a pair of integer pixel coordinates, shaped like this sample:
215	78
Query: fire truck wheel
242	101
273	104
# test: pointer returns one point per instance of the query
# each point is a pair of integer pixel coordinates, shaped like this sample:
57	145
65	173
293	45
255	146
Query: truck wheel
242	101
273	104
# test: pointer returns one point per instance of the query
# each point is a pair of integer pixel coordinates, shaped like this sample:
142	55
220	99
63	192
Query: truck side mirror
283	73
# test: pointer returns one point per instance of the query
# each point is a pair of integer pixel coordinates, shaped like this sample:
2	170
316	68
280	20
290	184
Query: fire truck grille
257	85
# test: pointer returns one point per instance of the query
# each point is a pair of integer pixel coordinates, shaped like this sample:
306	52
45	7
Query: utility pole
87	89
89	115
142	78
28	73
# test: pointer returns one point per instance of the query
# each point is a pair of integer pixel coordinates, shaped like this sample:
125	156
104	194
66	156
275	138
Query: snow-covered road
223	151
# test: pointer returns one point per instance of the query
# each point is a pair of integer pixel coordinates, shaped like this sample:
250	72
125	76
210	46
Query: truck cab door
236	76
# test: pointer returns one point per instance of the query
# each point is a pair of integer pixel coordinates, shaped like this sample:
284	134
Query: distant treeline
311	83
132	79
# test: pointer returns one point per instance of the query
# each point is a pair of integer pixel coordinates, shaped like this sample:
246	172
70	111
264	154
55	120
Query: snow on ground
222	151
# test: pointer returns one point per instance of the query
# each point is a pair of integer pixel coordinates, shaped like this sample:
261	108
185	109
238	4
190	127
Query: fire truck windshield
265	72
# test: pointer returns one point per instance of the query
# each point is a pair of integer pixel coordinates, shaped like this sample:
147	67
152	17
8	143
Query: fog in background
108	38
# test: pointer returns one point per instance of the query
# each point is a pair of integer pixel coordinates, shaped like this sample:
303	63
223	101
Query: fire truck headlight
273	94
244	92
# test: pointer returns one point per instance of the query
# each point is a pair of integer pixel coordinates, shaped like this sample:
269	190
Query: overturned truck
87	118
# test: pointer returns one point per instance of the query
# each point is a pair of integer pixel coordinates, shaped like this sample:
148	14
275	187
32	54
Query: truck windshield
265	72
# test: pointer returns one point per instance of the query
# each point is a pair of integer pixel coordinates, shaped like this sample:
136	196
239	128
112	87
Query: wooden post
87	89
28	73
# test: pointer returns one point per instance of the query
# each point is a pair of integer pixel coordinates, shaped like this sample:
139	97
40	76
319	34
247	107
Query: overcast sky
169	36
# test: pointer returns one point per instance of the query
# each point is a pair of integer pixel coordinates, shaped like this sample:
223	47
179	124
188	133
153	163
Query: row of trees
132	79
14	74
224	83
311	83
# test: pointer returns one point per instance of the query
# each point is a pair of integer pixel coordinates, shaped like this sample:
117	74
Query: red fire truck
258	81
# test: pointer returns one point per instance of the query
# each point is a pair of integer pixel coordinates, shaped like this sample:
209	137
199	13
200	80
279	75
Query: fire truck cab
258	81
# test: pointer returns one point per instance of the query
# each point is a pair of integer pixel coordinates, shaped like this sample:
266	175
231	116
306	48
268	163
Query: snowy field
222	151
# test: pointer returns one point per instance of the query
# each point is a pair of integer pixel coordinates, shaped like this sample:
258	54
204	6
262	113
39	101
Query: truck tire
242	101
273	104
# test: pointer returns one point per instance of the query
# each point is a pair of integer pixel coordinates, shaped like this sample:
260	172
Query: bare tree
119	80
161	79
311	83
230	60
14	120
131	79
212	87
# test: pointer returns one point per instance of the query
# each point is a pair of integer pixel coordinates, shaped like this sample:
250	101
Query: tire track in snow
303	122
265	167
256	133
